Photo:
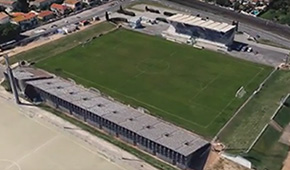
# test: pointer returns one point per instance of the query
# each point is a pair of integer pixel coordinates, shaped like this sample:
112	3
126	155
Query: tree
107	16
8	32
2	8
22	6
223	2
237	5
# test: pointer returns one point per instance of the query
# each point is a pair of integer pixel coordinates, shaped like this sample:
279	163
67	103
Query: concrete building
73	4
41	4
135	22
90	2
8	4
162	139
25	20
201	30
45	15
4	18
59	9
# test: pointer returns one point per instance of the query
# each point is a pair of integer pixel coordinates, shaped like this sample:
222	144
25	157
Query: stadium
202	31
138	95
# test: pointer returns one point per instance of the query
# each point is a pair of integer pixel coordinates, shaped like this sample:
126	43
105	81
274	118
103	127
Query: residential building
4	18
42	4
45	15
73	4
59	9
25	20
89	2
10	5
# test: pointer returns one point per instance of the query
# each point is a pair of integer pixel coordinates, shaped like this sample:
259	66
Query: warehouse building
162	139
200	30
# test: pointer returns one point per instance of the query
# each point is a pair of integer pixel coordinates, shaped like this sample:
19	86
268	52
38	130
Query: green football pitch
192	88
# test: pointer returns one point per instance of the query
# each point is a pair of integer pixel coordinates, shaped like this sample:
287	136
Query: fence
265	127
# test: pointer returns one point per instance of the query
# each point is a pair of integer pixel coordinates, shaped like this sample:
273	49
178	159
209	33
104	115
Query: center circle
153	66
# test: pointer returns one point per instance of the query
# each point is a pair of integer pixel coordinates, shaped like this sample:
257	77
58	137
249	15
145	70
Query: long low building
162	139
202	29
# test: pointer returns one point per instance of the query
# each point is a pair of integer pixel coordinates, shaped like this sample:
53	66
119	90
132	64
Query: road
97	11
114	5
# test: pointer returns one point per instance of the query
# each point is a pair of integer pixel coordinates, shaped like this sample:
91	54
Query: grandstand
201	31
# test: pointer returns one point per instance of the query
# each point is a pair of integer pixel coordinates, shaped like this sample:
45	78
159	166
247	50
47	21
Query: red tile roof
58	6
45	13
3	15
19	16
7	2
72	2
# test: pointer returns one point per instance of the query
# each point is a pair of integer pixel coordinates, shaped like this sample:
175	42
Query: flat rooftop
28	73
150	127
201	22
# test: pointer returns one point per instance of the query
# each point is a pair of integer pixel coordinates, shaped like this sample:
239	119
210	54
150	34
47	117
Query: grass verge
6	85
268	153
246	126
63	44
140	154
283	116
271	43
191	88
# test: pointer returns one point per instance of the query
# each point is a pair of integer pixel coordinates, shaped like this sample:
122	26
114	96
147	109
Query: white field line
132	98
272	117
12	163
23	112
32	152
233	99
244	104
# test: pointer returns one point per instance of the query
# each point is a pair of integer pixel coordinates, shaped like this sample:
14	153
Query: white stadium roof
200	22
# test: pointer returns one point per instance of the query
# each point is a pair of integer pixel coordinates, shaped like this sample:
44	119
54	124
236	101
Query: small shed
135	22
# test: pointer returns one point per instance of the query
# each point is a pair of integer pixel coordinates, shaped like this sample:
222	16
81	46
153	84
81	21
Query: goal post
240	92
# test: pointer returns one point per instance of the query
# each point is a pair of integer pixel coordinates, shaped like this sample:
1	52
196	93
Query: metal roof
28	73
150	127
201	22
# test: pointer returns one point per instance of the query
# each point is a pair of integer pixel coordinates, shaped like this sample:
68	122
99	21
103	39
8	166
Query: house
59	9
4	18
42	4
45	15
89	2
73	4
10	5
25	20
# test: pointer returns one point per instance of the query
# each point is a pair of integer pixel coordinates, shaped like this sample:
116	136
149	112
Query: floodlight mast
11	79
